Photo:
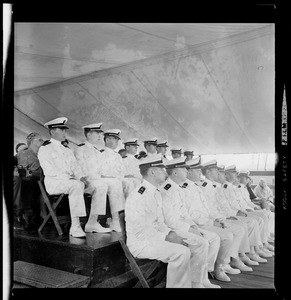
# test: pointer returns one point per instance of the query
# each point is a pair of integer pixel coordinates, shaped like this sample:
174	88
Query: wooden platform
100	257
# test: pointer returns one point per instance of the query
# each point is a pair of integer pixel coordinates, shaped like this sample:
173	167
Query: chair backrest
122	225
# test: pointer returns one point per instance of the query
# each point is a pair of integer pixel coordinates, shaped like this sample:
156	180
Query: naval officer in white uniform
62	172
189	154
147	234
89	158
176	152
131	163
162	148
205	246
267	215
151	147
112	165
239	230
231	176
199	211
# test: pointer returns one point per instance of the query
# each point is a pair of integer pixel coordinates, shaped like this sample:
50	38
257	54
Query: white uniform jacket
58	162
209	189
132	166
174	206
112	164
88	158
239	197
228	190
223	202
196	203
144	217
246	196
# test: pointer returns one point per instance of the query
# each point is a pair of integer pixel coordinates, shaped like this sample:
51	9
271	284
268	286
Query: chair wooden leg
135	268
51	210
149	272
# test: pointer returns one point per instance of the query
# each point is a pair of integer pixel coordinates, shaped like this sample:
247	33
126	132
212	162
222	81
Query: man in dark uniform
19	221
30	172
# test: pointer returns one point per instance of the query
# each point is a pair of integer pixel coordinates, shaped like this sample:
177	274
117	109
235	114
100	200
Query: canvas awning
204	87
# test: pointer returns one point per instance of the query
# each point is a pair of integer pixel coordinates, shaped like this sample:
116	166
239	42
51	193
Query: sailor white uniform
112	164
243	207
162	148
132	166
249	225
176	152
267	215
146	232
198	210
151	147
237	230
226	198
89	159
262	213
62	174
205	250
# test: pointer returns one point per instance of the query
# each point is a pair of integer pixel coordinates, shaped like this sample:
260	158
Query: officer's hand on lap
194	229
173	237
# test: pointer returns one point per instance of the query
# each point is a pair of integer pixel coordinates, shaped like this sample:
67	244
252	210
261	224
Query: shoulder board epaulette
46	143
102	150
81	145
225	185
204	183
214	185
167	186
185	185
141	190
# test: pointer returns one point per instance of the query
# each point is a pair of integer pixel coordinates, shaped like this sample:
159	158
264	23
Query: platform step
125	280
43	277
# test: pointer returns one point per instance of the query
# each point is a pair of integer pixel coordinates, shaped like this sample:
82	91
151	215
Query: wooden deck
109	269
262	277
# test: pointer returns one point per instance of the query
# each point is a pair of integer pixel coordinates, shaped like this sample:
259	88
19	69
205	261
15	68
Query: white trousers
238	235
98	190
75	190
115	194
177	256
199	255
226	240
245	244
263	226
254	236
268	218
271	222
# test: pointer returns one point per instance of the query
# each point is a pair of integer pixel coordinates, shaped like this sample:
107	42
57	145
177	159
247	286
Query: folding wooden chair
52	202
155	273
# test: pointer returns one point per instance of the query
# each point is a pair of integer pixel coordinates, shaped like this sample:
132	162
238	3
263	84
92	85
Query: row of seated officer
195	226
166	215
102	173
